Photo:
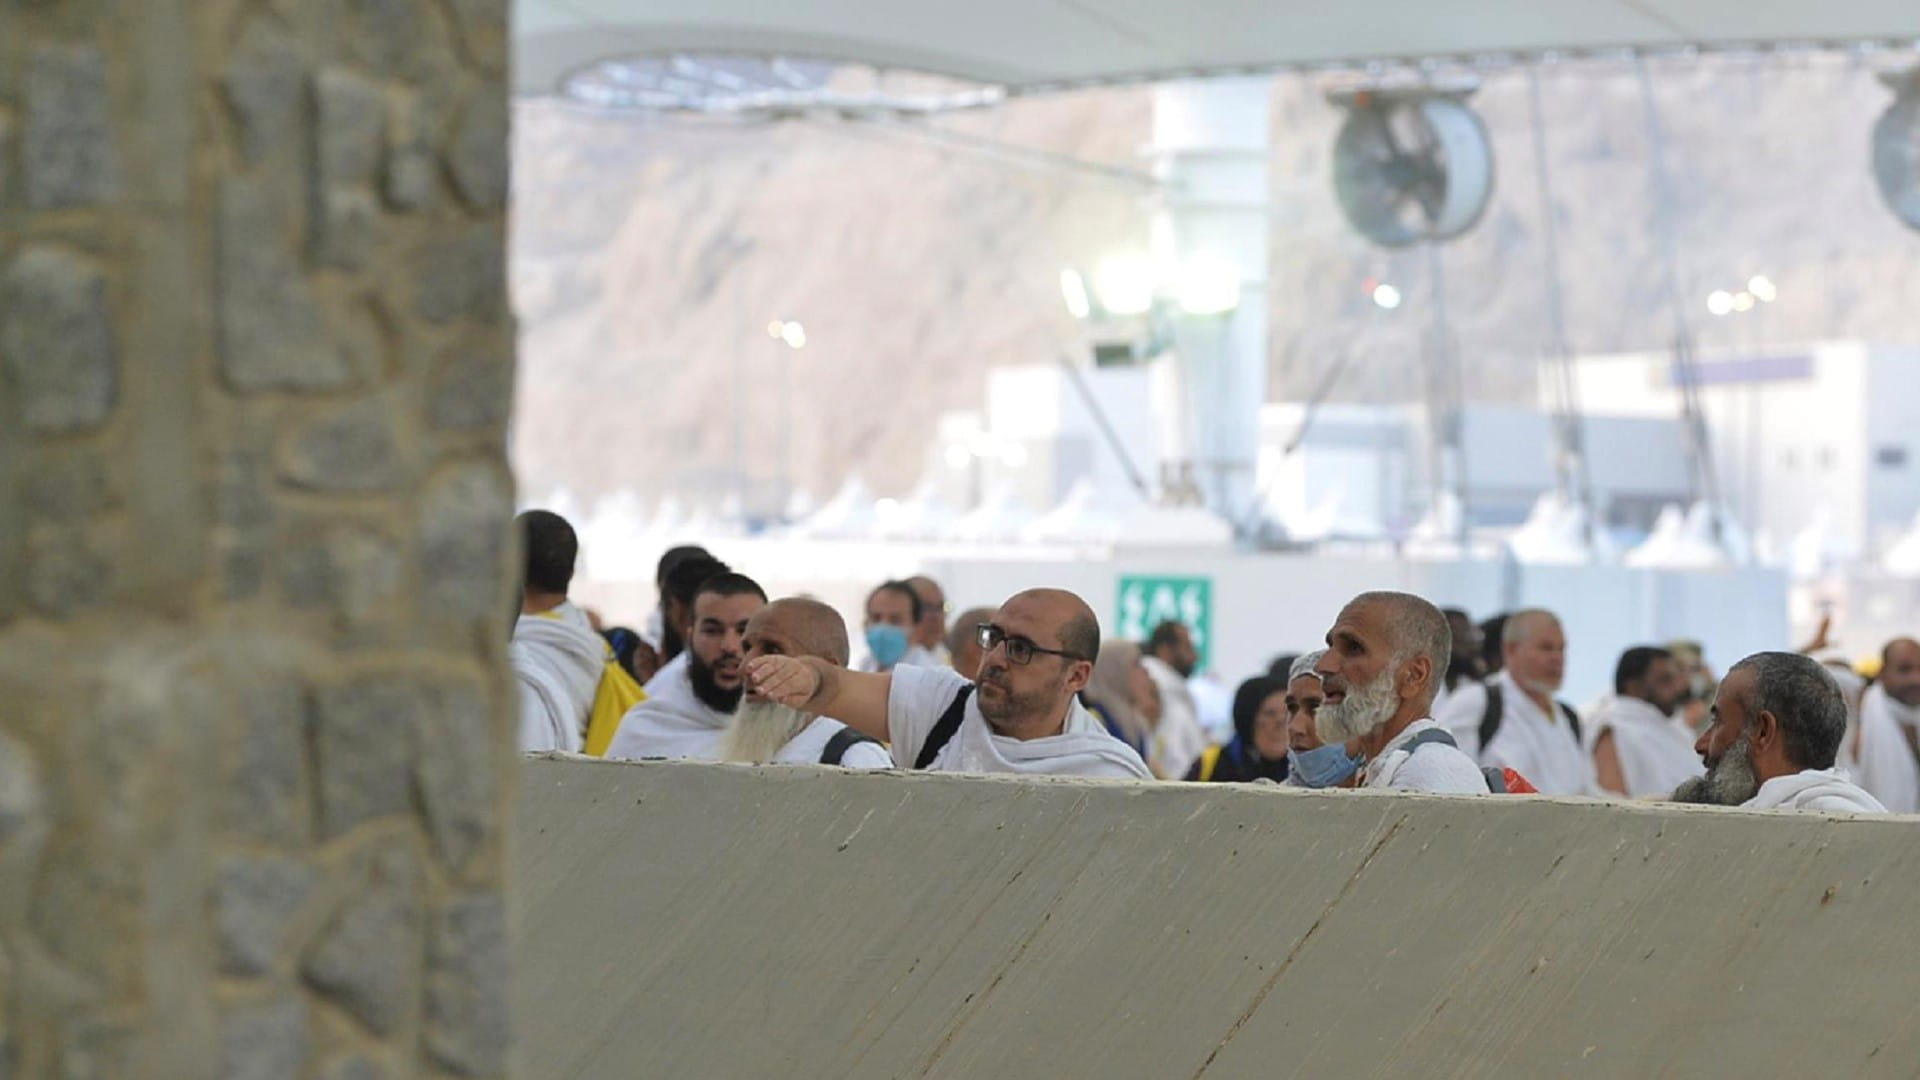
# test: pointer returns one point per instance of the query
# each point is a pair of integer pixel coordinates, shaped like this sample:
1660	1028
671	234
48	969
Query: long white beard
760	729
1362	711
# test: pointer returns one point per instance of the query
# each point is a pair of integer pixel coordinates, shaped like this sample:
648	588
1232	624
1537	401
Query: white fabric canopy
1029	45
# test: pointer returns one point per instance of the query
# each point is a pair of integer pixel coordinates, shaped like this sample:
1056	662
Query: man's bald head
798	626
1900	670
1071	617
1414	628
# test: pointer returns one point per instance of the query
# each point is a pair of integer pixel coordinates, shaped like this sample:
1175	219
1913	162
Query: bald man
765	732
963	640
1513	721
1023	716
1889	715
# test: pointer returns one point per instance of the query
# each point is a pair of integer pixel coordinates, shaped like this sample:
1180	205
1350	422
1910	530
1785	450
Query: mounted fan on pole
1414	166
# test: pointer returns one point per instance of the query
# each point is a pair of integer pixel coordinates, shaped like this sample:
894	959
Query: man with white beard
1385	658
1513	721
689	705
1640	746
1889	714
1775	730
765	732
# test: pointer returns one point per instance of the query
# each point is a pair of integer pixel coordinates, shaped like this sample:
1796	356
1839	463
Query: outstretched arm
857	699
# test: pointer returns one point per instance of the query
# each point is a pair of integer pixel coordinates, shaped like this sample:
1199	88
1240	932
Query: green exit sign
1147	601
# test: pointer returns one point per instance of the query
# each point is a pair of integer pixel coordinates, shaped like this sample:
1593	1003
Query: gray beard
761	729
1361	713
1730	782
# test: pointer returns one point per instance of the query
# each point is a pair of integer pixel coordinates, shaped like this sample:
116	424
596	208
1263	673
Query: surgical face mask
887	644
1323	767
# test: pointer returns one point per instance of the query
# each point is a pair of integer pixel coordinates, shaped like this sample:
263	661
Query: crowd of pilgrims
1401	695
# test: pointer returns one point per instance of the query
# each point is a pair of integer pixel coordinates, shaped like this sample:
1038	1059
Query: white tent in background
1437	533
1147	525
800	505
613	539
1079	519
1319	523
669	521
1000	516
1903	558
848	515
1680	541
1554	534
921	515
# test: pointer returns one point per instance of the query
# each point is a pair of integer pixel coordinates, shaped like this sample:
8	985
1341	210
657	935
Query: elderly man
1775	730
930	633
763	731
1023	716
690	705
1513	721
1889	713
1641	747
1385	657
963	640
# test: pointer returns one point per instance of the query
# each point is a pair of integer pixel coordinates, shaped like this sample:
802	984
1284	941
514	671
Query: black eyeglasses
1019	650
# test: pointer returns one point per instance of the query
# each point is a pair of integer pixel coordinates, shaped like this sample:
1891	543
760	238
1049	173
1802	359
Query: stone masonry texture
256	361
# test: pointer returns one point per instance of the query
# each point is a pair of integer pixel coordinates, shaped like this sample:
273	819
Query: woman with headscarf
1122	695
1259	746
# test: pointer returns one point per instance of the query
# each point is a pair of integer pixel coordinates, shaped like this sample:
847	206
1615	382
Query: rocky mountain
650	254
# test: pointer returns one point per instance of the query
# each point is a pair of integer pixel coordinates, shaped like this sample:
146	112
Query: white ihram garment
1884	765
1178	740
558	663
1655	750
1814	789
1543	750
672	722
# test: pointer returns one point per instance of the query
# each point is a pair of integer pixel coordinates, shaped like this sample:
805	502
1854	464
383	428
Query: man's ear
1078	676
1764	731
1417	672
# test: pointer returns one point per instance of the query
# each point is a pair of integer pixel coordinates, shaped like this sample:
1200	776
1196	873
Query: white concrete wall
699	920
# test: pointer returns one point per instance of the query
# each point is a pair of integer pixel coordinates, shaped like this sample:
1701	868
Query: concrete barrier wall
681	920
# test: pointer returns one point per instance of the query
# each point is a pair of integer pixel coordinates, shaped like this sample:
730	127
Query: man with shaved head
1023	714
763	731
963	641
1513	721
1386	656
1889	715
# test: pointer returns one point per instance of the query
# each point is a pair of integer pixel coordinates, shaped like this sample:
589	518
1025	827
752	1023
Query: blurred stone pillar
255	366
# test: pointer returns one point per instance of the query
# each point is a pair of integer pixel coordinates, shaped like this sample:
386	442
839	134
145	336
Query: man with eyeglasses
1022	715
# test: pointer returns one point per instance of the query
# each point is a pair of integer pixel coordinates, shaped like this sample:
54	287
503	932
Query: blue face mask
887	644
1324	767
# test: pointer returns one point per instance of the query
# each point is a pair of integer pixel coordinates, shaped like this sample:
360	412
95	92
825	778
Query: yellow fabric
1208	760
618	693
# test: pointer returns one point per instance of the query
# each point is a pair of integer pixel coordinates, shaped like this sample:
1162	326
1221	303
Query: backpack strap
1573	720
1495	776
1209	762
1490	717
843	740
944	728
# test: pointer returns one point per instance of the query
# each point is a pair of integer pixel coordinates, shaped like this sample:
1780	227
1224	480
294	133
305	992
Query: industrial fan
1411	166
1896	149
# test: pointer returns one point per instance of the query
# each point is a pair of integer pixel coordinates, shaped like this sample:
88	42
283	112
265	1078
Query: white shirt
1655	750
672	722
558	661
1543	750
1178	740
1884	765
920	695
1814	789
1431	767
806	748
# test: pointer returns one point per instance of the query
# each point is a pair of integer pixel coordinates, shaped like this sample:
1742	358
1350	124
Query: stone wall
255	367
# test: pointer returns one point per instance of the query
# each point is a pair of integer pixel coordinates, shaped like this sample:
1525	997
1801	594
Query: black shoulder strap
1495	776
944	728
1573	720
843	740
1490	718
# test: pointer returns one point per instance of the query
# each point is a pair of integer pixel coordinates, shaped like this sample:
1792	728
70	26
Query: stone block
68	487
350	119
471	387
69	157
64	572
273	334
413	170
463	276
466	513
266	795
368	959
352	570
343	233
267	1040
467	1002
257	899
19	788
93	1048
8	128
391	34
56	334
478	157
353	448
483	30
455	771
264	83
355	1067
364	740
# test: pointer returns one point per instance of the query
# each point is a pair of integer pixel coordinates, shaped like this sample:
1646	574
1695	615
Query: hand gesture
783	680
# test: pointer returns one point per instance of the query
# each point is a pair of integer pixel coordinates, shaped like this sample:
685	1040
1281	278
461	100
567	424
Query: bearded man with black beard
1385	657
1777	723
765	732
689	706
